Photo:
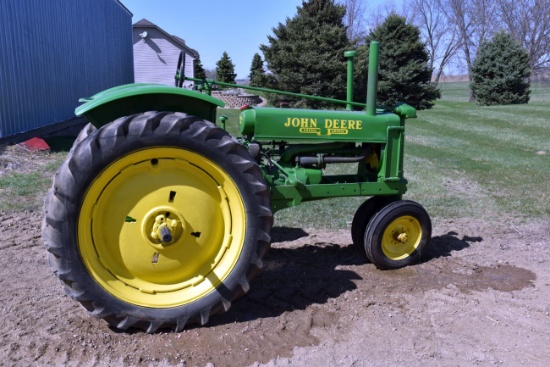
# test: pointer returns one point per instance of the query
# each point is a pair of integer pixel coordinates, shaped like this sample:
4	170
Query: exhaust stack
372	82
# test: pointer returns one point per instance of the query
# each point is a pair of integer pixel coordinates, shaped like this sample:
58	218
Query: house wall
156	58
54	52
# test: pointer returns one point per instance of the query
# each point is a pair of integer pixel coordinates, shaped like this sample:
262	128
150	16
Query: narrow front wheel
361	219
398	235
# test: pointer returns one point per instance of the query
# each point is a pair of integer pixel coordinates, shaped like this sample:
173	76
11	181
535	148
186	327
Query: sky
211	27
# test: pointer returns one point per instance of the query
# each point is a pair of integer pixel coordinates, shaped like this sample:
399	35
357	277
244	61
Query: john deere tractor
159	218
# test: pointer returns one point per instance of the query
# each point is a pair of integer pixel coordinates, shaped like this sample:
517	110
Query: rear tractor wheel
157	220
397	235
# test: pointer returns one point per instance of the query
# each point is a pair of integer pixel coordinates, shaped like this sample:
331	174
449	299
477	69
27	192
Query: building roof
144	23
125	8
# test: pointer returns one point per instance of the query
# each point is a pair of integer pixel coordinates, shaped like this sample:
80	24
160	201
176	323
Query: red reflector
245	107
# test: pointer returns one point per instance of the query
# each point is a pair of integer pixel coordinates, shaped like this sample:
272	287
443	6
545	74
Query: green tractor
158	218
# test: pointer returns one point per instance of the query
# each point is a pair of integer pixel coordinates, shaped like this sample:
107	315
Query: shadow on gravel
443	246
282	234
294	279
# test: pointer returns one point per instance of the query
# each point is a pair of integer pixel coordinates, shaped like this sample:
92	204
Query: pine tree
257	72
500	72
225	69
403	75
198	69
306	54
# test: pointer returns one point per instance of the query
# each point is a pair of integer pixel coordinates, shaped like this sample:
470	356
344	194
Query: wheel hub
402	237
165	230
163	227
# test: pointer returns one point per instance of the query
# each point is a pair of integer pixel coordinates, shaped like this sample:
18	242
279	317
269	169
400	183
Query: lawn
468	161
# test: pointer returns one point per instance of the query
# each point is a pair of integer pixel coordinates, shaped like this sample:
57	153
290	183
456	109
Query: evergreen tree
403	75
198	69
306	54
257	73
225	69
500	72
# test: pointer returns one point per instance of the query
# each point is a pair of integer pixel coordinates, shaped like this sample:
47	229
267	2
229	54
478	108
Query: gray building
156	54
54	52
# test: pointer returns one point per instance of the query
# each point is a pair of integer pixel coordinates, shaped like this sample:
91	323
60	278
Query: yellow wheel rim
401	237
120	235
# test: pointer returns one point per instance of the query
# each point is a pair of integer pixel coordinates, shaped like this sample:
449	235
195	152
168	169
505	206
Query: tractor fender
129	99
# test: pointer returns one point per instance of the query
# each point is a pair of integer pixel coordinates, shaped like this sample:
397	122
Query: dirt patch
480	296
18	159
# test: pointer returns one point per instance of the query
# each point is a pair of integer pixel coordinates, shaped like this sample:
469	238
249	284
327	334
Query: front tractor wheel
157	220
361	219
397	235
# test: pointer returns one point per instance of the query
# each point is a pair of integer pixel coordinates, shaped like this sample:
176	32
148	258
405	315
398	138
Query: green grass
480	162
26	190
457	92
22	184
232	124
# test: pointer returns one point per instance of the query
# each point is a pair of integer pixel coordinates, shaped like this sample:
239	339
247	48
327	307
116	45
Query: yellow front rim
401	237
120	234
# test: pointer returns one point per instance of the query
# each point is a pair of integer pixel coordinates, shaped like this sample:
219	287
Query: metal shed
54	52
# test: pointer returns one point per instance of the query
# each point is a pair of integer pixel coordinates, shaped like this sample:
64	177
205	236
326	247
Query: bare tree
210	73
475	21
528	21
384	10
355	19
440	35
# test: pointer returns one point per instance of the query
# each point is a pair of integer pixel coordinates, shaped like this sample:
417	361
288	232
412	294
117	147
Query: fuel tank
298	124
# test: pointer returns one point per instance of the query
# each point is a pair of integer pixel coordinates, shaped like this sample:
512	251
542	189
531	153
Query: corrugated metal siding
156	58
54	52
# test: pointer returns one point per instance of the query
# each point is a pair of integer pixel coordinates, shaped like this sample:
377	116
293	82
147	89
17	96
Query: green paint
372	82
349	87
316	125
129	99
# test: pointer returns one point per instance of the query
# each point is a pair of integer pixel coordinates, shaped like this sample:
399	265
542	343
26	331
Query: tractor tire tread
94	144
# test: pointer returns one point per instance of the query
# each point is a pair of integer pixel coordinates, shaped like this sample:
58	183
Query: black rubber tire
98	149
361	219
86	130
374	234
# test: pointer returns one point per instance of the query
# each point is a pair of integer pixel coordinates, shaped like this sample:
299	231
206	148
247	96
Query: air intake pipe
372	81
